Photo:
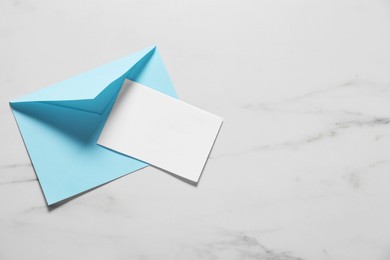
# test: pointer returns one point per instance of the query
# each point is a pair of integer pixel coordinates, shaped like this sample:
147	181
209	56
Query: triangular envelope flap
97	105
148	70
89	84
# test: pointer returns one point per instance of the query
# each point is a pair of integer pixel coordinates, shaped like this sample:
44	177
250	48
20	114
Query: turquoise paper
60	125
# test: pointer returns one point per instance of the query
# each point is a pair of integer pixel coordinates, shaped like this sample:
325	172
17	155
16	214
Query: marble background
301	168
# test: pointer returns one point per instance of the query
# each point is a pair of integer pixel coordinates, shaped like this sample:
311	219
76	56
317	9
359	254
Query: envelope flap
88	84
97	105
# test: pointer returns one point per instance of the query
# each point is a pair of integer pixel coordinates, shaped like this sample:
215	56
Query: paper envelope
60	124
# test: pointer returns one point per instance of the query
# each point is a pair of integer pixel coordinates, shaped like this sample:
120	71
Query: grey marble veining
300	169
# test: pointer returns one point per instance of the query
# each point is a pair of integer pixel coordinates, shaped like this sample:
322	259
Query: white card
160	130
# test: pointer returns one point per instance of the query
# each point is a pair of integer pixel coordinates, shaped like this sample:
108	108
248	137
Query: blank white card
160	130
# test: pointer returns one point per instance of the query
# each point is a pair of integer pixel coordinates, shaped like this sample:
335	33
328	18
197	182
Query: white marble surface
301	168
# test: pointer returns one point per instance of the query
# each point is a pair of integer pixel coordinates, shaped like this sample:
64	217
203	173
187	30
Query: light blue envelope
60	125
